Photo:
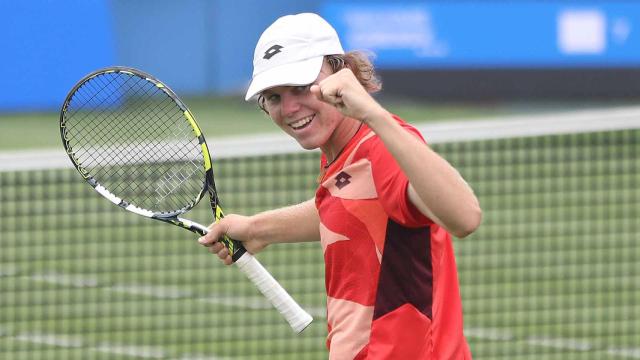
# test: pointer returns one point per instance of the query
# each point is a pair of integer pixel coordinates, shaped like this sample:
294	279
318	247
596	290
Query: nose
290	103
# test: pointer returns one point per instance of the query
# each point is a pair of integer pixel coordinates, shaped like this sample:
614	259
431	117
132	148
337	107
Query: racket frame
236	249
297	317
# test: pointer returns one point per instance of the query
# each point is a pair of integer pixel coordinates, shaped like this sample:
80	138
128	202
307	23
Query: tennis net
553	271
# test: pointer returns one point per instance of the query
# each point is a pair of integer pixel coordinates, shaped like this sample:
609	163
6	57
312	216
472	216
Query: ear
261	104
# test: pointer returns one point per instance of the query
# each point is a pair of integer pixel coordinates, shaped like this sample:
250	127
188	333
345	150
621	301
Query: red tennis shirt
390	272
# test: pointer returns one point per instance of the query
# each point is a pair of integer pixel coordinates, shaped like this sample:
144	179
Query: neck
341	135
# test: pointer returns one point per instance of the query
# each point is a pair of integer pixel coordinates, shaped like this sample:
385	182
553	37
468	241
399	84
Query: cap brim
298	73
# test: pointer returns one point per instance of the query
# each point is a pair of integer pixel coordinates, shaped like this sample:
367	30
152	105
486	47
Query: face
303	116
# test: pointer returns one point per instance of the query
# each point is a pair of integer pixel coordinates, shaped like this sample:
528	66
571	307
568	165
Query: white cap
290	52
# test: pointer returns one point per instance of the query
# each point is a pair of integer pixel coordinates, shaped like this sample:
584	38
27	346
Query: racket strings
133	138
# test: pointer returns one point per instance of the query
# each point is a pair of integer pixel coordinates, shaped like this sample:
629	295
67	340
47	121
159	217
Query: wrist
258	229
377	118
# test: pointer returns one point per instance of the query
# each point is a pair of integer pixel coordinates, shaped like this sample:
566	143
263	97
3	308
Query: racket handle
268	286
295	315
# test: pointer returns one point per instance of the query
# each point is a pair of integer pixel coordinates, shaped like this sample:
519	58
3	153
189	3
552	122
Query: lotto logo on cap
290	52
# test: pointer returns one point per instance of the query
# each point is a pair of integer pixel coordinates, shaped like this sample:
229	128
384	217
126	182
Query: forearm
297	223
436	188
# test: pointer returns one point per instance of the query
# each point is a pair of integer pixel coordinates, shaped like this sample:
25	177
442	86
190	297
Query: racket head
136	143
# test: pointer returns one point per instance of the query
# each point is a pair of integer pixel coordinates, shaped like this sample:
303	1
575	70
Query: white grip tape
295	315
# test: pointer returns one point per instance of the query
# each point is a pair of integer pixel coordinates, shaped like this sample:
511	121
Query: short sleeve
392	184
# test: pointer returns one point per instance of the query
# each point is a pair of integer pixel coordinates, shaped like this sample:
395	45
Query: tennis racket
138	145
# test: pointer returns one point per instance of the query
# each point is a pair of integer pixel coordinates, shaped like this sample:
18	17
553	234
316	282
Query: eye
272	98
301	89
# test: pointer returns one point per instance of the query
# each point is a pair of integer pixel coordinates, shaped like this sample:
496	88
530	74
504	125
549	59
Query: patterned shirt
390	273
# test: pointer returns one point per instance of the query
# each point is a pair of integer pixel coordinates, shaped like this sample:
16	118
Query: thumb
216	230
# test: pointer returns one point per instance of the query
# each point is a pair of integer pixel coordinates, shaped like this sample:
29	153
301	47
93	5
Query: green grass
554	264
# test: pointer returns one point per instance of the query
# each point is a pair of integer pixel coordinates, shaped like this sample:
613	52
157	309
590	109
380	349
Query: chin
308	146
309	141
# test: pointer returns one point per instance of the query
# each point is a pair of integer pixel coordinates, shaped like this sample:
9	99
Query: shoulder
372	144
408	127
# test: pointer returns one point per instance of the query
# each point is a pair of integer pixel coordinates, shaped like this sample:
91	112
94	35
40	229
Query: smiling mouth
302	123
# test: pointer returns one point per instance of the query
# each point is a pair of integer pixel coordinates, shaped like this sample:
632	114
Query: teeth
302	122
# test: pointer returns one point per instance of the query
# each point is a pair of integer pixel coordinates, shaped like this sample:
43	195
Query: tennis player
384	208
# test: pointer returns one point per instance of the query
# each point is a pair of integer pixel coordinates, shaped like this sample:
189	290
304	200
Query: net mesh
552	273
129	135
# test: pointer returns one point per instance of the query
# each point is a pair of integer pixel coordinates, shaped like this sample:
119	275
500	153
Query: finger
222	254
207	240
333	99
215	232
316	91
216	248
203	241
329	93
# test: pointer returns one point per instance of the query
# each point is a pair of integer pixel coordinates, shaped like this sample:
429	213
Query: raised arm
435	187
297	223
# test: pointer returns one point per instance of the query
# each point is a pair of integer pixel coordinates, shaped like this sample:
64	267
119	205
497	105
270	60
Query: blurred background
535	102
450	50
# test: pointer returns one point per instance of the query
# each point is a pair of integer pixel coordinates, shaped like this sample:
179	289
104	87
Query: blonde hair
360	64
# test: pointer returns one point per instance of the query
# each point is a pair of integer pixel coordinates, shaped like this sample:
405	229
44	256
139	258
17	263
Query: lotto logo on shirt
342	180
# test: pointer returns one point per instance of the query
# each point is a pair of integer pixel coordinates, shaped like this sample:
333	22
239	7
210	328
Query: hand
344	91
236	227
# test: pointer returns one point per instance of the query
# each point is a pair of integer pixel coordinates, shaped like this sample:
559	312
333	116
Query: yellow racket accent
195	127
219	213
207	158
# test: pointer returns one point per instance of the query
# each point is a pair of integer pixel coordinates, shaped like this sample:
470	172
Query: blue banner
491	34
47	46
